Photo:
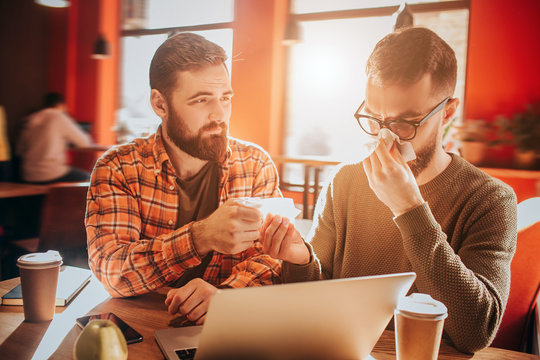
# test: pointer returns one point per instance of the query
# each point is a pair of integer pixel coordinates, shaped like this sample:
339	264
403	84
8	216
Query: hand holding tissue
404	147
392	181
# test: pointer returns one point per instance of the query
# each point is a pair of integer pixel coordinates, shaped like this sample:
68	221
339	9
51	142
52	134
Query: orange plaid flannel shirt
132	205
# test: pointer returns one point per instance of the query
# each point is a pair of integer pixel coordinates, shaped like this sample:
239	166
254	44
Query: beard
423	157
213	147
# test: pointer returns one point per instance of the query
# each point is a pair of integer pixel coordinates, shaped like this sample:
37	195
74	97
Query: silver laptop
329	319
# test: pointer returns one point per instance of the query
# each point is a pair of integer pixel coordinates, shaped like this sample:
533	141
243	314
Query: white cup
39	280
419	321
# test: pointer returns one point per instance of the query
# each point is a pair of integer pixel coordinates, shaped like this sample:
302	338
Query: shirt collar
159	151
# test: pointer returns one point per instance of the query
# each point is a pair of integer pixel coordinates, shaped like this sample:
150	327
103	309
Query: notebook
71	280
329	319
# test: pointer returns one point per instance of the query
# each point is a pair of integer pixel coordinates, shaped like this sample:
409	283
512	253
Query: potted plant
523	129
473	138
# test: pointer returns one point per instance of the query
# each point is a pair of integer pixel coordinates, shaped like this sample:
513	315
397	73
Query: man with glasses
437	215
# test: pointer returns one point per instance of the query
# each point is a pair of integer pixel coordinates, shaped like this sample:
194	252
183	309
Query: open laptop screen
341	318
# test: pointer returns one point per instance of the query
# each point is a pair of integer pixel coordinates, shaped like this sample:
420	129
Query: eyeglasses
405	129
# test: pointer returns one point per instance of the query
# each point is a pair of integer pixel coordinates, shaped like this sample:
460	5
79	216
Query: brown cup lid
422	306
40	260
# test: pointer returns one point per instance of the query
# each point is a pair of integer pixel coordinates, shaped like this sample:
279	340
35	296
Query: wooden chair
517	324
62	224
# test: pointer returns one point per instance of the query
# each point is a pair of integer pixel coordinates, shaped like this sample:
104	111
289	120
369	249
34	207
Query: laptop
328	319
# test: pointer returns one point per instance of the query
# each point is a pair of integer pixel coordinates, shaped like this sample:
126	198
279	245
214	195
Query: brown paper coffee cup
419	321
39	279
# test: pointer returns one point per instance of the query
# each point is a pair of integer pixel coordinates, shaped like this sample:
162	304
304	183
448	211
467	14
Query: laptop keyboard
186	354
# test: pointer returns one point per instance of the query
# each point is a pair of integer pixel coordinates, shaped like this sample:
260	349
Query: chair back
62	218
515	327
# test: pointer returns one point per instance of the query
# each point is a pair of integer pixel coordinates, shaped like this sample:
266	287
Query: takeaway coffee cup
419	321
39	278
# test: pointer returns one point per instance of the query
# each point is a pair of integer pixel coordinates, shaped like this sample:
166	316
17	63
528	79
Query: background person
438	215
161	210
44	141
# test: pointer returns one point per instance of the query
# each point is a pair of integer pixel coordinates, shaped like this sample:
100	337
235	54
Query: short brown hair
403	57
182	52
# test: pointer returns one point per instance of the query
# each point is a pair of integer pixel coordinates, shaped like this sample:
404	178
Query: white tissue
404	147
283	207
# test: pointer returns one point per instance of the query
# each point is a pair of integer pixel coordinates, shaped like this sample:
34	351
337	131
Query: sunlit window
327	77
135	116
159	14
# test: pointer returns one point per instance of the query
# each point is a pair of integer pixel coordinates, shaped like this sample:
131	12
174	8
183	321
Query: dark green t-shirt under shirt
197	198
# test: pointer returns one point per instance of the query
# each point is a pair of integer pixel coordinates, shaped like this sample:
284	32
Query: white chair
528	212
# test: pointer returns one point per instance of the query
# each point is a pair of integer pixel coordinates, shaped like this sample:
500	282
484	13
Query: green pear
100	339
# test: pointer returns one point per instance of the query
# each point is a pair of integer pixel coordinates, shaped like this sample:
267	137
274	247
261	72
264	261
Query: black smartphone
130	334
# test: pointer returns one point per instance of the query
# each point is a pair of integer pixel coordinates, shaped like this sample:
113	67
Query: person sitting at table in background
44	141
162	211
437	215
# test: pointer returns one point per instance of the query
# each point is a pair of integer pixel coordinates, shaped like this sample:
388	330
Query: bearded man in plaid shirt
161	210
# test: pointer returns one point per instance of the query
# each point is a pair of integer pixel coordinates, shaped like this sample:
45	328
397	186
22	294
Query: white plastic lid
40	260
422	306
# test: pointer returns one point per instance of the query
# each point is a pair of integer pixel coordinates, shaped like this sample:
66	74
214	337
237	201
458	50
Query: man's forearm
200	238
130	267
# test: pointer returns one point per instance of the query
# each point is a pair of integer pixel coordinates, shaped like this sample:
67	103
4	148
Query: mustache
214	126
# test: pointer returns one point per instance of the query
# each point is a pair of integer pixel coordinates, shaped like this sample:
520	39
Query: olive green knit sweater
460	243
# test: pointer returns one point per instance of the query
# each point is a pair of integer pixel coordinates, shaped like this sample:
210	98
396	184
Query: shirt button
170	222
171	187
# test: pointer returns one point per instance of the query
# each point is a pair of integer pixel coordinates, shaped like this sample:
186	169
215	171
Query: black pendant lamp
53	3
101	48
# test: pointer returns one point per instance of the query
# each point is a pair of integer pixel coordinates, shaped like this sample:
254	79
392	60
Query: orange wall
57	50
502	63
257	72
108	75
503	57
91	85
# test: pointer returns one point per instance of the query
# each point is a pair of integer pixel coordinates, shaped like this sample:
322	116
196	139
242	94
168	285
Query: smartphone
130	334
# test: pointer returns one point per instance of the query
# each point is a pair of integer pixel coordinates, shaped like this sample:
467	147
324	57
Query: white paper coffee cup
39	279
419	321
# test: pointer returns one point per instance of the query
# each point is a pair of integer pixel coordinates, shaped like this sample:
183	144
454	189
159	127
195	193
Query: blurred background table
11	189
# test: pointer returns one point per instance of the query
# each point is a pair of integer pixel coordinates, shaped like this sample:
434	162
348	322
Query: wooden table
55	339
10	190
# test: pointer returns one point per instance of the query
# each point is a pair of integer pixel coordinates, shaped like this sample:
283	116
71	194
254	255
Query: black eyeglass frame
386	124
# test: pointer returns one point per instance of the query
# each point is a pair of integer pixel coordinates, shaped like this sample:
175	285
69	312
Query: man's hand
231	229
282	241
392	180
191	300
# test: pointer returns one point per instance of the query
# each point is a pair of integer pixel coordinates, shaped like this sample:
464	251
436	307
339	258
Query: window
327	75
147	24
